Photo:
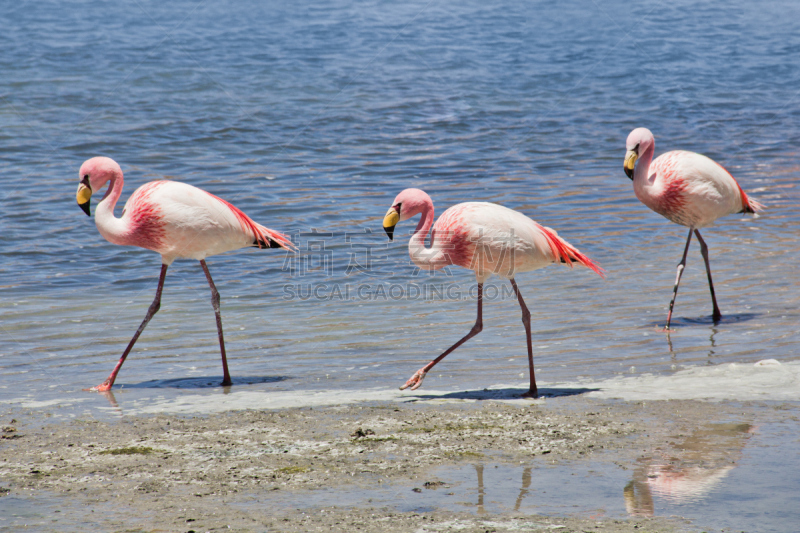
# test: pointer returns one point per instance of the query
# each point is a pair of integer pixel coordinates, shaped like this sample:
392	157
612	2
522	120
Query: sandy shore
261	470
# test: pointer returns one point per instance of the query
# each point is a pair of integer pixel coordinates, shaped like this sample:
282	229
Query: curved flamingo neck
426	258
643	164
111	228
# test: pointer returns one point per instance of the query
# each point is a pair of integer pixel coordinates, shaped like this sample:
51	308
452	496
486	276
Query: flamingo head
406	204
95	173
639	140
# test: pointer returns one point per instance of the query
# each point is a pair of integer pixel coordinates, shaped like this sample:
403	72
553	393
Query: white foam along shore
767	380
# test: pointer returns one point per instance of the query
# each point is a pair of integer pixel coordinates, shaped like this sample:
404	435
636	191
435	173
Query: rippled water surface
312	117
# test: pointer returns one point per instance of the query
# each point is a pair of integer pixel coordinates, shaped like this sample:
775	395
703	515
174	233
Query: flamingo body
493	239
686	188
690	189
486	238
481	236
174	219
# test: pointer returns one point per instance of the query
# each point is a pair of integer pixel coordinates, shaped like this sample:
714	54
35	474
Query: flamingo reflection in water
687	471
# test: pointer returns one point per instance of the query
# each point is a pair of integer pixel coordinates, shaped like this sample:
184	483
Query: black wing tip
268	244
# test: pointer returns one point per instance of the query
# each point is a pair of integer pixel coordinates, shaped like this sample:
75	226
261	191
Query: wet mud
316	469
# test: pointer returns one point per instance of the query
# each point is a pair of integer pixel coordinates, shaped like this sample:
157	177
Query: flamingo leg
704	250
416	379
681	266
226	377
106	385
526	321
526	484
481	490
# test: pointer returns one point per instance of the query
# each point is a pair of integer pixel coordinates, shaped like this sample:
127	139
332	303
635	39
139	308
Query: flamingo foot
416	380
534	393
103	387
227	382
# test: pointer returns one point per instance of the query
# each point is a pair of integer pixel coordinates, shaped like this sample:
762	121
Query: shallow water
311	118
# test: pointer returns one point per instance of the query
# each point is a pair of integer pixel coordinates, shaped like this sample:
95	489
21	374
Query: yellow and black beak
390	221
84	197
630	162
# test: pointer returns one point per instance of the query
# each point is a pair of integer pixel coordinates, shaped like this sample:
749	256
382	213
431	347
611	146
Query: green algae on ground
293	470
130	450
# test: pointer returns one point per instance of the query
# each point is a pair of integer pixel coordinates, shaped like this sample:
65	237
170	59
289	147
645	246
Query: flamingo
688	189
488	239
176	220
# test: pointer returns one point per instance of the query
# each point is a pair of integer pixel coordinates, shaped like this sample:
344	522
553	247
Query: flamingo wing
696	190
192	223
494	238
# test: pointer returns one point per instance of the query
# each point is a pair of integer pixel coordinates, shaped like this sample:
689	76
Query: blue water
311	118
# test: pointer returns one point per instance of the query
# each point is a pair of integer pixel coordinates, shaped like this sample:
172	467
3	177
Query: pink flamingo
175	220
488	239
687	188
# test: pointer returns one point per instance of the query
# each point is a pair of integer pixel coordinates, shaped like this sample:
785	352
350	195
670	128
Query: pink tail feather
262	237
276	237
749	205
566	253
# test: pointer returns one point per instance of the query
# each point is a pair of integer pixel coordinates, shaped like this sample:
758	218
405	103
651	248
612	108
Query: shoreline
389	462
